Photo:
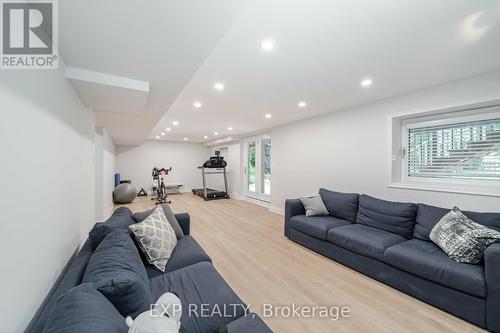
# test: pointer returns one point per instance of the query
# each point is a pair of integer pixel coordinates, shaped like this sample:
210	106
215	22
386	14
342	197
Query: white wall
47	177
348	150
136	162
233	170
104	173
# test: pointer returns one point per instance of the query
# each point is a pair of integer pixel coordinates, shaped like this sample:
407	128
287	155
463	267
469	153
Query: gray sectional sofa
389	241
189	274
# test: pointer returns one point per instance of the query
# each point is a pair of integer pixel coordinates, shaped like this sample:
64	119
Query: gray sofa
389	241
189	274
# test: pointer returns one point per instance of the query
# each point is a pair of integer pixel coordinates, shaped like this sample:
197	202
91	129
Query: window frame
400	179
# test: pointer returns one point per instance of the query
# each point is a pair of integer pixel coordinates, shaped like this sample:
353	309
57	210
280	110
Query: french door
257	167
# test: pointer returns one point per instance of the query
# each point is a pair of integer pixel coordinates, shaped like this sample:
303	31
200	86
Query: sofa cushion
364	240
171	218
316	226
251	323
395	217
187	252
83	309
428	216
198	285
121	219
341	205
427	260
116	270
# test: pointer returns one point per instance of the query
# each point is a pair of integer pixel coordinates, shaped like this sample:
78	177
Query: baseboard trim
277	210
255	201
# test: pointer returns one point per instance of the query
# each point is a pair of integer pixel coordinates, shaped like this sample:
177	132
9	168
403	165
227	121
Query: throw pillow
462	239
141	216
314	206
156	238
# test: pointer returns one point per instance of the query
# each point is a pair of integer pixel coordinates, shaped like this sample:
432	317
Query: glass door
257	170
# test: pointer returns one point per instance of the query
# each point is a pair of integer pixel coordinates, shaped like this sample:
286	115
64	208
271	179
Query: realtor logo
29	34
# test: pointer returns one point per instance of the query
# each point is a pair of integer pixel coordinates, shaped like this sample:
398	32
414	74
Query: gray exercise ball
124	193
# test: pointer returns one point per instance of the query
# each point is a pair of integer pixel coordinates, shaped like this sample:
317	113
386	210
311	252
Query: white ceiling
162	42
323	49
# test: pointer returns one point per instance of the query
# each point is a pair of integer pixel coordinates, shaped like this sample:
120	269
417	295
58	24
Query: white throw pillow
156	238
314	206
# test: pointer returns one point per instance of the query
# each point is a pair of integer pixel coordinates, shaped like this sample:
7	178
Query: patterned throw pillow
156	238
462	239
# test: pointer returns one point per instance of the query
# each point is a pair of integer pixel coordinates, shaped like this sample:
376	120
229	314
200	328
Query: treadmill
215	165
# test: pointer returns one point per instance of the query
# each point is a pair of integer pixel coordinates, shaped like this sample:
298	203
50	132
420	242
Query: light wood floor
247	246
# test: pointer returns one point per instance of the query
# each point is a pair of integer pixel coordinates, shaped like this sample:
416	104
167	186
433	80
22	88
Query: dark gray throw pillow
141	216
462	239
314	206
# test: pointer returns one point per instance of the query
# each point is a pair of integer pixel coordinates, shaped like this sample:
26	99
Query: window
457	150
449	150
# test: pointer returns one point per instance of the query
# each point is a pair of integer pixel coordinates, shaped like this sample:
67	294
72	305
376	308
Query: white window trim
466	112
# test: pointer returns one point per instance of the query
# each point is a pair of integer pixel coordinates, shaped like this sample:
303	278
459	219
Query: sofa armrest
184	221
492	275
292	207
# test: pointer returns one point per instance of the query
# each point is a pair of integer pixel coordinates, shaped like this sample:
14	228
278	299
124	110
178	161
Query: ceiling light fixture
302	104
229	128
168	129
366	83
267	44
205	137
185	139
157	137
268	115
175	123
216	133
162	133
197	105
219	86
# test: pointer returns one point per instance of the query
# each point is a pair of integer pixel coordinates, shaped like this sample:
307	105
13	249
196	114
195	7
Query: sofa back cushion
83	309
141	216
117	271
395	217
121	219
428	216
341	205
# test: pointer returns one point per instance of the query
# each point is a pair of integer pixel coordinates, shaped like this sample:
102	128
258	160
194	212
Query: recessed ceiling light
175	123
205	137
366	83
219	86
168	129
216	133
162	133
157	137
185	139
267	44
302	104
268	115
229	128
197	105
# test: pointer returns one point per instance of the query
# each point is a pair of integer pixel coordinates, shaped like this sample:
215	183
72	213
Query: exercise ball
124	193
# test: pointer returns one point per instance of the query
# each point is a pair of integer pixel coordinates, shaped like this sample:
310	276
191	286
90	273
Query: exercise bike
161	189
